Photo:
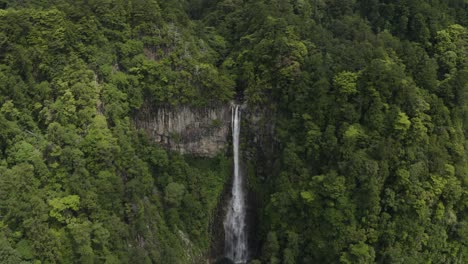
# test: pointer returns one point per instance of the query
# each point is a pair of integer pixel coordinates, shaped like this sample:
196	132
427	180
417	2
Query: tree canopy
368	102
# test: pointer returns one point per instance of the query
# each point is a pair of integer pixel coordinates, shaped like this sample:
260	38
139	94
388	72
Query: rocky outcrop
188	130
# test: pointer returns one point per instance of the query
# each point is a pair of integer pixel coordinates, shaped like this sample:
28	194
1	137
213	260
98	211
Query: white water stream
234	224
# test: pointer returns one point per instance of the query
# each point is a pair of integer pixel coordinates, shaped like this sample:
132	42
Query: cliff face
188	130
206	132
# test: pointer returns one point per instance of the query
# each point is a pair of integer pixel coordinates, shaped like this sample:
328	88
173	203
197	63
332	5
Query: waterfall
234	224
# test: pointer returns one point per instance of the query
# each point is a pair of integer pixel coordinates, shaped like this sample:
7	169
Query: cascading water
234	224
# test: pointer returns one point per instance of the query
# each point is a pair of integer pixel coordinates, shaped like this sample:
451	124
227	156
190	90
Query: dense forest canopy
370	106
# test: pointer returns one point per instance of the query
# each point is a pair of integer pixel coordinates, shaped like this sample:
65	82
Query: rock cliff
188	130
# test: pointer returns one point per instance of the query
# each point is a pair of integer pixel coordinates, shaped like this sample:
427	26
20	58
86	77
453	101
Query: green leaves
63	207
353	132
8	254
174	192
402	122
451	48
307	196
366	105
359	253
346	82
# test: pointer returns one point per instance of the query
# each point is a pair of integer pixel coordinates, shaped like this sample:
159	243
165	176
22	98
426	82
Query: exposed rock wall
207	132
188	130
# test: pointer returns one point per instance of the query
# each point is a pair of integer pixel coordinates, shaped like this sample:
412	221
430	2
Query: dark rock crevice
206	132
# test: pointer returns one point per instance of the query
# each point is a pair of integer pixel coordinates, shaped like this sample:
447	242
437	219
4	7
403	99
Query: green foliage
7	254
271	249
60	205
346	82
78	183
366	100
353	131
359	253
368	105
402	122
174	193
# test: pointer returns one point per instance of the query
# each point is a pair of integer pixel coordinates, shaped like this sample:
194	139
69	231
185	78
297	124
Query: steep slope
370	99
355	151
78	182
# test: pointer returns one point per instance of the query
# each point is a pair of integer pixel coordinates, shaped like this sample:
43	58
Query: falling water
234	224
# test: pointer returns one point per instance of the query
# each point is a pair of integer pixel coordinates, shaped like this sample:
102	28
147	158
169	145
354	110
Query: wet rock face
188	130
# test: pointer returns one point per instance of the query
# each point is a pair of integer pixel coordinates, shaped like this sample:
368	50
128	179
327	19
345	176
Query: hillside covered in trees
369	101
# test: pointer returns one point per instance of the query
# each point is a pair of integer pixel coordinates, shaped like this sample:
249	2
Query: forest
369	101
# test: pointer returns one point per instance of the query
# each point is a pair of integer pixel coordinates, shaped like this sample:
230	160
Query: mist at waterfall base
235	223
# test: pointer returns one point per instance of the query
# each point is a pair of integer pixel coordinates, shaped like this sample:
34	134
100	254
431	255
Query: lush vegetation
78	184
370	105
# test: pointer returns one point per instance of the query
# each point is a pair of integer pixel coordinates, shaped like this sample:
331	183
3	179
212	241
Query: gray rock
188	130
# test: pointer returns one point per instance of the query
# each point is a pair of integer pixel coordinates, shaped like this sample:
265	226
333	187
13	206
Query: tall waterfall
234	224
